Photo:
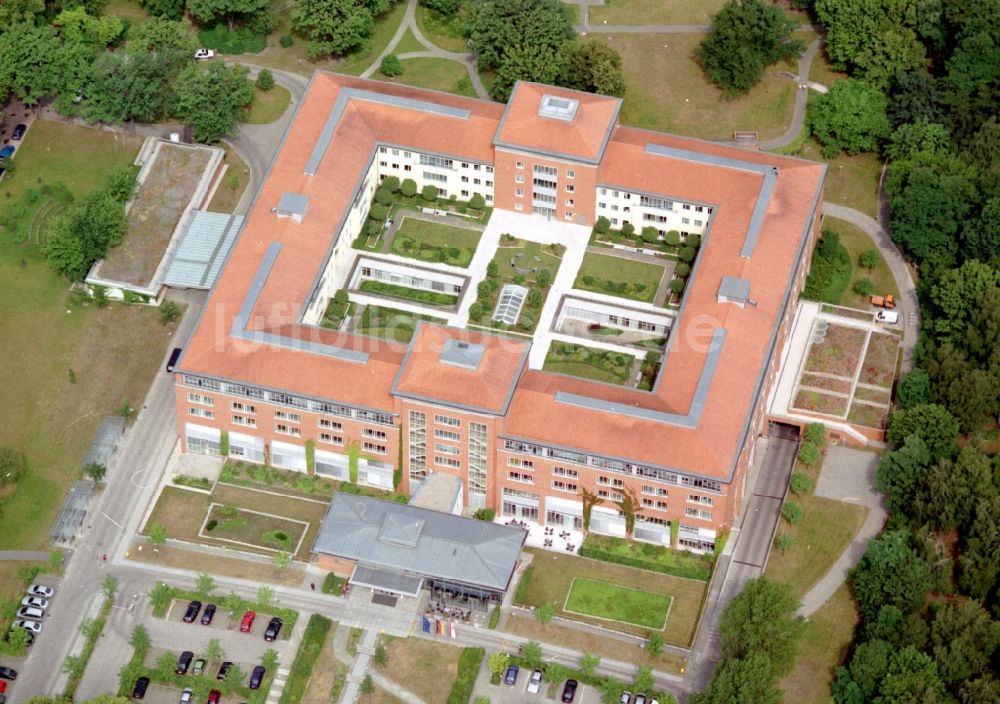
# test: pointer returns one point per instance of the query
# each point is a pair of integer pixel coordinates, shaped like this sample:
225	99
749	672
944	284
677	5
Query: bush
829	271
816	434
869	259
687	254
864	287
286	40
265	80
477	202
650	234
677	286
628	229
378	211
682	270
383	196
809	454
672	238
494	617
792	512
602	225
544	613
784	542
391	184
240	41
468	668
391	66
693	241
408	188
429	193
914	389
169	312
657	559
800	483
485	514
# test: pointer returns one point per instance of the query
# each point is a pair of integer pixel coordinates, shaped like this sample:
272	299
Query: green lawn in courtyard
431	241
618	276
390	323
588	362
436	74
617	603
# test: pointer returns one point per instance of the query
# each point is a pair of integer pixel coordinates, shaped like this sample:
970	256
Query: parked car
7	152
19	131
186	696
510	677
214	696
174	356
199	666
139	690
640	699
626	697
30	612
41	590
191	613
208	614
35	601
273	629
535	682
3	686
569	691
30	626
223	669
257	676
8	673
184	662
204	54
247	623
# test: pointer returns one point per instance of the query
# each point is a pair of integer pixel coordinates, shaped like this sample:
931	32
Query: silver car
30	612
186	696
30	626
534	682
36	602
40	590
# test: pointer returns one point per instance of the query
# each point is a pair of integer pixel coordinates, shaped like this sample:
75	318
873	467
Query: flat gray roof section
457	353
293	204
693	416
770	174
347	94
105	441
734	290
386	580
198	259
438	492
444	546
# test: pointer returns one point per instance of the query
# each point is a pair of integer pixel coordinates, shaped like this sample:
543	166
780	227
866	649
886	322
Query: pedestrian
312	585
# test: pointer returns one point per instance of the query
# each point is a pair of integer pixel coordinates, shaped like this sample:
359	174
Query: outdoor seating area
553	538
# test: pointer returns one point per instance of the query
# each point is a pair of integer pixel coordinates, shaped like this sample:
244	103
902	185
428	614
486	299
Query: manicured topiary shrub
602	225
408	188
391	66
429	193
391	184
672	238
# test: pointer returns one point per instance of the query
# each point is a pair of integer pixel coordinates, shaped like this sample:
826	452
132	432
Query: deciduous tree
254	13
931	422
595	67
333	26
761	620
851	117
211	98
891	573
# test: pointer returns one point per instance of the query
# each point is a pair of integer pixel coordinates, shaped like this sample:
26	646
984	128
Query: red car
247	623
214	696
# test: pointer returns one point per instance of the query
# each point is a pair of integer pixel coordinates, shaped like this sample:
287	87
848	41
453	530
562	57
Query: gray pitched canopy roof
430	543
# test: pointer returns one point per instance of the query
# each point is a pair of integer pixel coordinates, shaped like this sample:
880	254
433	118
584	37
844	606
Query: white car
30	612
204	54
890	317
30	626
40	590
35	601
534	682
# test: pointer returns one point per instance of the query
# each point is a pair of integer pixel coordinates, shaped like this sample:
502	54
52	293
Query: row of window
546	170
432	160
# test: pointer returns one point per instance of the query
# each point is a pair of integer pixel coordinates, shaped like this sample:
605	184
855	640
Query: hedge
406	292
677	563
468	668
305	659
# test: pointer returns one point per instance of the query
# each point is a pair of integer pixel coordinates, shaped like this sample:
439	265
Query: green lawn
408	43
663	12
851	180
431	241
253	527
617	276
69	363
682	101
513	254
549	578
588	362
130	10
268	106
435	74
390	323
424	667
237	177
856	241
440	31
617	603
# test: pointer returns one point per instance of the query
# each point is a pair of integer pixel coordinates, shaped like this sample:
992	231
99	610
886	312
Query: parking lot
518	694
55	602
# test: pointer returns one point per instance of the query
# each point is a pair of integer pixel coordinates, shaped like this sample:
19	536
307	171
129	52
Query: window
521	477
447	462
448	420
612	495
407	167
245	422
519	192
518	462
198	398
489	184
446	449
490	197
545	170
655	505
244	408
518	206
569	215
287	430
698	513
560	485
446	435
477	182
465	165
407	155
519	178
563	472
609	481
431	176
570	188
703	500
465	194
374	447
569	202
381	150
519	164
290	417
395	152
477	167
654	490
330	424
685	221
331	439
436	161
489	169
698	222
602	205
377	434
570	173
465	179
201	413
654	202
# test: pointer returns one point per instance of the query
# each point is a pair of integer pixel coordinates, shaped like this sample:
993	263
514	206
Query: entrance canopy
386	580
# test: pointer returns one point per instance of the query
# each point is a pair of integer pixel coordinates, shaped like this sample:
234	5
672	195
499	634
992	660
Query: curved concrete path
801	98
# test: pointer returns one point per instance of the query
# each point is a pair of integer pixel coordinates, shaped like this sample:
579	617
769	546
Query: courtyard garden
588	362
296	484
338	309
522	263
593	591
433	73
431	241
618	276
390	323
407	293
263	530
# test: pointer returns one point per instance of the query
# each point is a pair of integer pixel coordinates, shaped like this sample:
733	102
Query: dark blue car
7	152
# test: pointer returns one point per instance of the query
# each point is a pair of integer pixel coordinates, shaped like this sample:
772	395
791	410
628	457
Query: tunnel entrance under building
788	431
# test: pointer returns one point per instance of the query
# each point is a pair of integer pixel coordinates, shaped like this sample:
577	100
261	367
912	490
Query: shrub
693	241
408	187
265	80
628	229
241	40
677	286
485	514
864	287
96	471
650	234
391	66
869	259
286	40
169	312
383	196
391	184
379	211
477	202
543	278
800	483
657	559
494	617
429	193
672	238
809	454
544	613
211	525
792	512
602	225
682	270
476	311
687	254
784	542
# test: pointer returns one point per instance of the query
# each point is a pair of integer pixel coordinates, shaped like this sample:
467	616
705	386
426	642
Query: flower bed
869	416
838	353
825	383
420	295
879	367
818	402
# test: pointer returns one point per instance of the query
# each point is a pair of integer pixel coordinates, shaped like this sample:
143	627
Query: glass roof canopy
510	303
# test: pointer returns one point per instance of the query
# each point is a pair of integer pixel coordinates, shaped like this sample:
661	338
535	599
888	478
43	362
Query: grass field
436	74
681	100
550	577
252	527
129	10
588	362
424	667
617	603
214	564
617	276
113	352
824	644
851	180
439	31
408	43
855	241
666	11
229	192
268	106
390	323
434	242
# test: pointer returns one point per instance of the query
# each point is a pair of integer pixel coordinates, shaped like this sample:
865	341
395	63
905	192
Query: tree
13	465
256	14
110	586
165	665
654	644
21	71
891	573
914	389
232	604
979	561
747	36
869	259
270	660
73	665
741	681
810	454
160	596
595	67
204	585
630	506
931	422
82	236
381	655
234	679
912	676
157	534
909	140
981	237
900	474
543	278
282	560
213	651
544	613
556	672
851	117
56	559
265	80
955	296
869	664
391	66
77	25
864	287
169	9
429	193
477	202
589	499
211	98
602	225
761	620
367	685
644	679
791	512
963	640
531	653
96	471
408	187
14	11
140	638
265	597
333	26
498	662
589	663
169	312
951	489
